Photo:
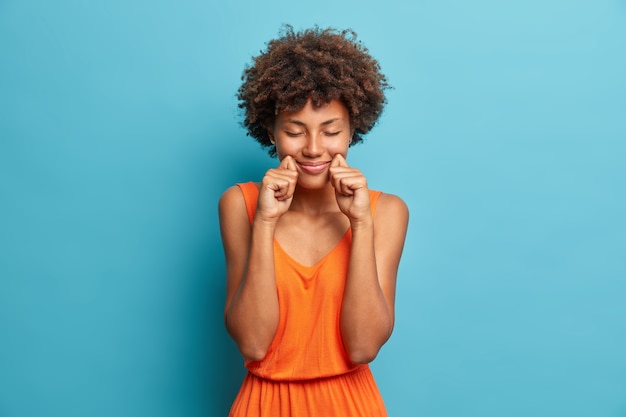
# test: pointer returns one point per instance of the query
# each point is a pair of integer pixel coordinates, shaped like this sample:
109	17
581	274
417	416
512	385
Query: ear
271	136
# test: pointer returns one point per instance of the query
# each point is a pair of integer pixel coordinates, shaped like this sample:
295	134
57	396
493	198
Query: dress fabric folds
306	372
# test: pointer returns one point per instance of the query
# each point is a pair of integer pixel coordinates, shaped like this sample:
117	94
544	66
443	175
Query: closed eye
333	133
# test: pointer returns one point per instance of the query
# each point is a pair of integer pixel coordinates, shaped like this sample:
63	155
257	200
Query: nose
314	145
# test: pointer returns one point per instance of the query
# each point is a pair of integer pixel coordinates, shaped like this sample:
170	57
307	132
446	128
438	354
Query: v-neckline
322	259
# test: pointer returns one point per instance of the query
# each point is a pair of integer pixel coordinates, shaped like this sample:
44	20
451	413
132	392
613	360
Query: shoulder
238	202
233	196
391	205
234	199
236	194
391	217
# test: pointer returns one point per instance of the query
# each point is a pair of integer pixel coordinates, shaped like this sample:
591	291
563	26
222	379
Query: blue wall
505	134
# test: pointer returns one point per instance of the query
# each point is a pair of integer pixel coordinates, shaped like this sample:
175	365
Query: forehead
333	111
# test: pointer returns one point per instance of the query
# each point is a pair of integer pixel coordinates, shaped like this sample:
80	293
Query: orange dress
306	372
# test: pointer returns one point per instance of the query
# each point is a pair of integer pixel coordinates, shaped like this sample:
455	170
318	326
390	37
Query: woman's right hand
277	190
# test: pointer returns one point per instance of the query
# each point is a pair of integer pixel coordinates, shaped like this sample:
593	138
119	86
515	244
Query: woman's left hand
350	190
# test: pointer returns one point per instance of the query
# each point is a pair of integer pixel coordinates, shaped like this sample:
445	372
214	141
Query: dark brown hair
317	64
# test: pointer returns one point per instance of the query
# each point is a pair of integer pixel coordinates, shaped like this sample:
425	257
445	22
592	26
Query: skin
307	203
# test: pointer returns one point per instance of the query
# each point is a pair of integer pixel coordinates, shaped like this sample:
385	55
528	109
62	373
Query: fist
350	189
277	190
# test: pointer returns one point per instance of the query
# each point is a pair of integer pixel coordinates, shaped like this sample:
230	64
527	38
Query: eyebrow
298	122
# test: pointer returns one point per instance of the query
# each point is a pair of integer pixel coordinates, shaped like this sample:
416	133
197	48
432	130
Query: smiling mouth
313	167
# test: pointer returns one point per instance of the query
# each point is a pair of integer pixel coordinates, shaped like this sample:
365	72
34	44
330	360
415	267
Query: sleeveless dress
307	372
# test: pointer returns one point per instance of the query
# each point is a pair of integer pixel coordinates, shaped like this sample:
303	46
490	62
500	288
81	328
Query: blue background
505	134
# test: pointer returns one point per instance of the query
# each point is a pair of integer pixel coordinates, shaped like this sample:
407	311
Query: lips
314	167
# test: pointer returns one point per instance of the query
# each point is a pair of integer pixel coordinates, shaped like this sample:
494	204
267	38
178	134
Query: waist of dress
295	379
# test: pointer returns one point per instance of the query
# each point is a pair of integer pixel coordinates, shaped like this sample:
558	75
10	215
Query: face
313	136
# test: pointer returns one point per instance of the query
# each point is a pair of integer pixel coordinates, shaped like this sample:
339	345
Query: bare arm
251	309
368	306
367	313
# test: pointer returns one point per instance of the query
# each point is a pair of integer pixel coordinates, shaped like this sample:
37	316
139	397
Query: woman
311	253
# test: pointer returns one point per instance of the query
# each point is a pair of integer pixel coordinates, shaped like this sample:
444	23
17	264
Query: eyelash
296	134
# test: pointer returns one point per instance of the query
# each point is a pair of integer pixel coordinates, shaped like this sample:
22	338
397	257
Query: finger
349	181
287	163
339	173
342	185
339	161
282	182
349	184
286	174
280	188
283	162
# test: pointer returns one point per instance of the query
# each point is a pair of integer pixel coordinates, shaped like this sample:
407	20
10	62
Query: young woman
311	253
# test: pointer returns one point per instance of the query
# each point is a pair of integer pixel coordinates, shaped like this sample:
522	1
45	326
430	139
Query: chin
314	183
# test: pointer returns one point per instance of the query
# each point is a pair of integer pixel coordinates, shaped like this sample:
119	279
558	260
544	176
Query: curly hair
317	64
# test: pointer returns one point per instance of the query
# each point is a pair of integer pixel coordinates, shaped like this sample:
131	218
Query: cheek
338	147
283	149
